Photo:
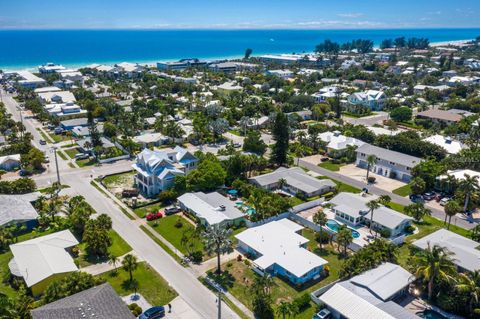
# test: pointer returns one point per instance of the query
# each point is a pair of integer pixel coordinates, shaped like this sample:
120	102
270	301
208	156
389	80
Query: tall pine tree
280	134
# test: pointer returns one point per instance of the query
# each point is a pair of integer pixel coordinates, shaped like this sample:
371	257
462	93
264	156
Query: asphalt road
437	213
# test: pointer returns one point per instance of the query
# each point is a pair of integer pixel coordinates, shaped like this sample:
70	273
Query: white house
150	139
387	163
450	145
370	295
372	99
466	256
50	68
156	170
64	109
337	143
211	209
352	209
29	80
279	249
56	97
295	181
41	260
18	209
284	74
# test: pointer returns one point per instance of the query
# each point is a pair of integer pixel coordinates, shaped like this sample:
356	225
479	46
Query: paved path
458	220
100	268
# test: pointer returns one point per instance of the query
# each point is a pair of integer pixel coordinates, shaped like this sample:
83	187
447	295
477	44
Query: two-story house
372	99
387	163
156	170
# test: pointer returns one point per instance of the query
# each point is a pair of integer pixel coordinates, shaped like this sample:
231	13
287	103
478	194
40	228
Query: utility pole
56	165
21	120
219	303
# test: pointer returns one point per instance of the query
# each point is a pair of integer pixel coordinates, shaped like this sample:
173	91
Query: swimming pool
430	314
245	208
334	226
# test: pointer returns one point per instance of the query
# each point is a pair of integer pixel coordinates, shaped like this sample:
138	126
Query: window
392	163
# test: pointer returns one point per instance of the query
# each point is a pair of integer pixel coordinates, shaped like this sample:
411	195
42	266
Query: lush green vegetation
403	191
149	284
144	210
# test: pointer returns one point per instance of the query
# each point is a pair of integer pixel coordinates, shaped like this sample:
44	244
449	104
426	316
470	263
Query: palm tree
417	211
371	160
470	284
281	183
285	309
113	260
372	205
2	172
468	186
321	220
384	200
434	263
244	121
130	264
6	307
217	241
452	208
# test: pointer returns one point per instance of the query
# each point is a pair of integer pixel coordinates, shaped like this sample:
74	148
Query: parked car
444	201
80	156
416	198
429	196
153	313
171	210
153	216
42	142
323	314
58	130
237	145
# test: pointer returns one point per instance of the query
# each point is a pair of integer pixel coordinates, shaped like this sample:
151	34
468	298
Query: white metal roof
448	144
42	257
279	243
15	208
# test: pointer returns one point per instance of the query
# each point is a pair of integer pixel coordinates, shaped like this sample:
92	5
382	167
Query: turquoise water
334	226
247	209
30	48
430	314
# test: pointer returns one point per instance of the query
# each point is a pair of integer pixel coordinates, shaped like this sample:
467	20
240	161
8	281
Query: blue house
278	249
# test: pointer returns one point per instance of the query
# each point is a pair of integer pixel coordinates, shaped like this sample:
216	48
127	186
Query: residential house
326	93
347	64
293	58
284	74
465	256
10	162
18	210
64	109
278	249
211	208
129	69
42	260
29	80
225	67
463	80
441	182
370	295
337	144
450	145
387	163
50	68
440	116
99	302
372	99
227	88
181	64
156	170
84	146
68	125
148	140
295	181
352	209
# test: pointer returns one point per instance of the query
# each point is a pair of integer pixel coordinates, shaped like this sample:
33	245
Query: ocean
73	48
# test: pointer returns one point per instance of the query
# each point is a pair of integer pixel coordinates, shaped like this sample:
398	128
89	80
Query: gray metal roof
100	302
295	177
397	311
17	208
388	155
75	122
353	204
466	255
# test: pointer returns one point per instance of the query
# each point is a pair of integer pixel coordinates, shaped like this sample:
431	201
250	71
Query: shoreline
153	63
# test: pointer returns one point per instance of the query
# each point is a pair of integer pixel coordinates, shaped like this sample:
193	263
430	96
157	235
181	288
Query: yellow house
42	260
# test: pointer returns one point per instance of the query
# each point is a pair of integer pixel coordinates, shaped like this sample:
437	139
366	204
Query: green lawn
72	152
342	187
166	228
44	136
5	288
236	132
150	284
119	248
238	277
57	138
294	201
85	162
403	191
62	155
143	211
161	244
331	166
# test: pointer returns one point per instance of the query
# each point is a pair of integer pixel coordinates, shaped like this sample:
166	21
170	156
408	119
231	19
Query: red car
153	216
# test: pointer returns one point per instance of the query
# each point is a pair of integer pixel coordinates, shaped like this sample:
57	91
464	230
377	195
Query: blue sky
235	14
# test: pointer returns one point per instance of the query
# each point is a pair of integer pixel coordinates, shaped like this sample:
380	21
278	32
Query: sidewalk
101	268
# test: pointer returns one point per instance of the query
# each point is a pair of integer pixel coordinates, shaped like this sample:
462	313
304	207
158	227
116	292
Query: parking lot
382	182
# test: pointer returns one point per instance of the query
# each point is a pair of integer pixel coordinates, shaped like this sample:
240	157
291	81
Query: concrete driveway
359	174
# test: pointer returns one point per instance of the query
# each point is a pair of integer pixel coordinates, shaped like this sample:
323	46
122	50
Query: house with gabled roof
372	99
156	170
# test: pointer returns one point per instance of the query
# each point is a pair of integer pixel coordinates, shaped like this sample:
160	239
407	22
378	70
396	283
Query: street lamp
54	151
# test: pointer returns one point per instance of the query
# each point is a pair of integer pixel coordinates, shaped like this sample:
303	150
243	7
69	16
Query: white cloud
350	15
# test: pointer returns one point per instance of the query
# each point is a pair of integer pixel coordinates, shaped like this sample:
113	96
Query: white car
444	201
